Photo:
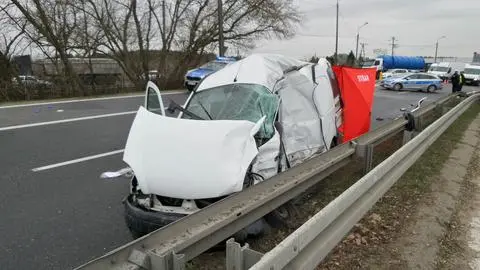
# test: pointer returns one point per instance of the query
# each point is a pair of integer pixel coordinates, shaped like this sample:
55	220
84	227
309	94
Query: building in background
23	64
476	57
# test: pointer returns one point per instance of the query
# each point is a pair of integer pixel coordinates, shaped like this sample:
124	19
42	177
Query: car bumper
471	81
384	85
141	221
191	83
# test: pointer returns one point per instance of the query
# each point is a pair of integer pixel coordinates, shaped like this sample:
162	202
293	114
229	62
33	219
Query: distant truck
445	70
472	74
386	62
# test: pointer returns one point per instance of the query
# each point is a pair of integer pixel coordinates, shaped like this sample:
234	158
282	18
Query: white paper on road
122	172
189	159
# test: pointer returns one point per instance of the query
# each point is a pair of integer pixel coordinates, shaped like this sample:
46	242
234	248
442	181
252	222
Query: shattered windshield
237	102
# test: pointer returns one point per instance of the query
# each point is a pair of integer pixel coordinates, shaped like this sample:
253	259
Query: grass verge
454	251
383	224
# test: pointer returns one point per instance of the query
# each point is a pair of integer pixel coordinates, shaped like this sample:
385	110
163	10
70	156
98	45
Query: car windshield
473	71
237	102
214	65
441	69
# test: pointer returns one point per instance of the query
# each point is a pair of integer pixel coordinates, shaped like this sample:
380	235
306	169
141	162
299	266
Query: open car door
153	99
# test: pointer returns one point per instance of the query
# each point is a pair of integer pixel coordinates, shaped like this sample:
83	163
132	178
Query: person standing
455	81
461	81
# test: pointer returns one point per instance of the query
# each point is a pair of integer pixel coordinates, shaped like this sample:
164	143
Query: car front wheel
397	87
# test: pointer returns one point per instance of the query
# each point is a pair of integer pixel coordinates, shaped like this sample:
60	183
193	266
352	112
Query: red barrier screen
356	86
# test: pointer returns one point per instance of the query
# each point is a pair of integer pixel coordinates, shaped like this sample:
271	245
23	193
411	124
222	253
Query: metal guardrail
172	246
312	242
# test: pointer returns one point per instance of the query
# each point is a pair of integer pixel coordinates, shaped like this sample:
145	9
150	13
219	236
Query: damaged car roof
268	69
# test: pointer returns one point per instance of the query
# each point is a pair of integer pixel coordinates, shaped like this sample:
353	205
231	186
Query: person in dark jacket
455	81
461	81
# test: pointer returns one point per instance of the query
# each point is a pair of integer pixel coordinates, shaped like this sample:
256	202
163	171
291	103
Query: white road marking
78	160
66	120
86	100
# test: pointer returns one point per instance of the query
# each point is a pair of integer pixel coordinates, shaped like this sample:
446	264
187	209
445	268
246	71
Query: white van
472	74
445	70
243	124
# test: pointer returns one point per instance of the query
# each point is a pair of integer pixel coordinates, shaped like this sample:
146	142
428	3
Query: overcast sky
416	24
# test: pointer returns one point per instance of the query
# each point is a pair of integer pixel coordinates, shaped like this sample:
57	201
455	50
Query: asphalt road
59	217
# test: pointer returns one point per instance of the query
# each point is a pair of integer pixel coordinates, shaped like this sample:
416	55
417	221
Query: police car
194	76
416	81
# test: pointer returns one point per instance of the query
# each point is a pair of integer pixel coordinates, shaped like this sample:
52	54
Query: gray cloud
417	24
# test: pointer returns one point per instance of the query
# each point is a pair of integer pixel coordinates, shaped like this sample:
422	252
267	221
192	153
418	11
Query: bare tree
189	26
52	24
131	31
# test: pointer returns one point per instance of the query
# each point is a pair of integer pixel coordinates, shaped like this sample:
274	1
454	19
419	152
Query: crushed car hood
189	159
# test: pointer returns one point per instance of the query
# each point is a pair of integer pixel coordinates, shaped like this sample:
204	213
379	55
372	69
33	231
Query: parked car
30	81
416	81
252	120
194	76
394	72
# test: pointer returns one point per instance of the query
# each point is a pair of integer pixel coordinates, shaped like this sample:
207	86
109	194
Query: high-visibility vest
460	79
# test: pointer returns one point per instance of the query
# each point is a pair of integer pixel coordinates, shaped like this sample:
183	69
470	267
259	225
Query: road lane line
66	120
86	100
78	160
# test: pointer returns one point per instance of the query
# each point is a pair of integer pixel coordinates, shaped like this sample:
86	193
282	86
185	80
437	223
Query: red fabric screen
356	87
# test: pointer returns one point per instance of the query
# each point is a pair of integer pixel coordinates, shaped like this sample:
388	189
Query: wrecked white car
243	124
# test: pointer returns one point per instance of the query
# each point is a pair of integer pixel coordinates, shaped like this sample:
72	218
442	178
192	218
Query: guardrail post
240	258
169	261
366	153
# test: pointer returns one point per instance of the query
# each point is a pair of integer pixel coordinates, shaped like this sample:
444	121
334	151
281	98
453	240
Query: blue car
194	76
416	81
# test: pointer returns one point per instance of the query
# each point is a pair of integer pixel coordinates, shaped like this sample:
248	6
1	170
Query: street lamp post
358	37
436	48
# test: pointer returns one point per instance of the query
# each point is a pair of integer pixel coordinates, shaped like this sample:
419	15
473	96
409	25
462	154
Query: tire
397	87
141	222
431	88
283	216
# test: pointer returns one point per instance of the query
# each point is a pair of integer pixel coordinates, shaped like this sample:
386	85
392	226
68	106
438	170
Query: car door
411	82
425	81
153	99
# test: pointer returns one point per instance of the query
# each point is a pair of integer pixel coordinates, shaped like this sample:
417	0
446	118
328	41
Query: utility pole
358	37
362	52
336	38
393	45
220	29
436	48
